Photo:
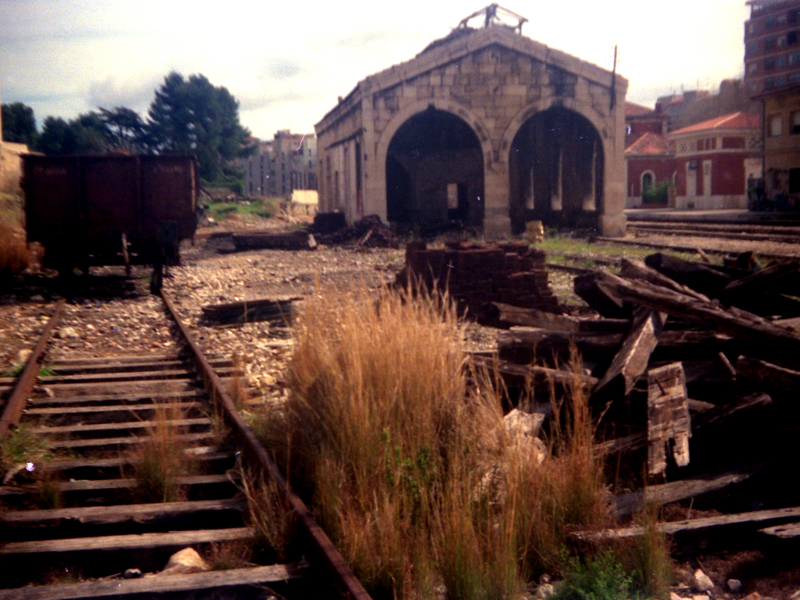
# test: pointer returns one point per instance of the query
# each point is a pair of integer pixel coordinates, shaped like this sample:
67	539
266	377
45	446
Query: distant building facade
715	160
711	164
772	45
284	164
772	73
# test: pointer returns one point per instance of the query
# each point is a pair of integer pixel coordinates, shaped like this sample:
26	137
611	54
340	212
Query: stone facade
485	127
284	164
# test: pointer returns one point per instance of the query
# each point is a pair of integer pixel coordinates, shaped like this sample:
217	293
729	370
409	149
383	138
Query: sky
287	62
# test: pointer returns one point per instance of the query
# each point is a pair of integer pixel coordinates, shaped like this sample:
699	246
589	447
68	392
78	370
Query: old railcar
110	209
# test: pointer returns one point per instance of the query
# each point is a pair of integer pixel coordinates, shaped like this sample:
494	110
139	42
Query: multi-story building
282	165
772	45
772	72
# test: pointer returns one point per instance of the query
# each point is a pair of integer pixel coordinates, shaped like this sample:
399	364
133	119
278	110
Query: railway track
88	518
752	232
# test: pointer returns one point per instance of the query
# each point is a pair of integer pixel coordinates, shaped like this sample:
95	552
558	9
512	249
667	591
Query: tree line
187	115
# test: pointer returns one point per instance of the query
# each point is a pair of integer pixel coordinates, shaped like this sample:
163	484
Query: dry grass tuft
14	255
402	452
160	460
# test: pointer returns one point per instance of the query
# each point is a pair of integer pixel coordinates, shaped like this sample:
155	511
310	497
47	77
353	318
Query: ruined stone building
284	164
484	128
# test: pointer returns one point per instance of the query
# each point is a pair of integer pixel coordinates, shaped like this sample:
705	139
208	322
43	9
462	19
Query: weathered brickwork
495	81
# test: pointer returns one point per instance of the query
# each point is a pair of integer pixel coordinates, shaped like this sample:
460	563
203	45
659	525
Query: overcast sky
286	62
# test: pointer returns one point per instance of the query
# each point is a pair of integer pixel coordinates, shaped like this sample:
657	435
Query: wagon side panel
169	194
55	212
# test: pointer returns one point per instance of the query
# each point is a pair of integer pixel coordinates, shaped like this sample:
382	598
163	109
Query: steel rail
333	561
24	384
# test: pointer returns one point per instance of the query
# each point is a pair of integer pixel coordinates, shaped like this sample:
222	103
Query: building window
770	21
780	62
770	43
792	15
792	38
794	118
751	28
780	81
647	180
752	68
782	41
769	83
781	19
794	58
769	63
775	124
794	78
752	48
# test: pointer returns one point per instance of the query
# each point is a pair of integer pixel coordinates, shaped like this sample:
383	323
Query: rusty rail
330	556
22	388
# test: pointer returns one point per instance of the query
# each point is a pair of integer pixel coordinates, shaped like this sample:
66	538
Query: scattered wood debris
250	311
692	369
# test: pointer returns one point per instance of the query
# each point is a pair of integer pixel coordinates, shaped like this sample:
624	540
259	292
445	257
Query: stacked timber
692	372
475	275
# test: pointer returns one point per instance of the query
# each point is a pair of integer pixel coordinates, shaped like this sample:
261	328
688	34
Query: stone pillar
496	220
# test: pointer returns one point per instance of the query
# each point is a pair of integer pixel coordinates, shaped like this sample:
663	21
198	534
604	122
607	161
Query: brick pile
475	274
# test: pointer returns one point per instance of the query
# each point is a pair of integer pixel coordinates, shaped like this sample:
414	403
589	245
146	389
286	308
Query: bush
400	448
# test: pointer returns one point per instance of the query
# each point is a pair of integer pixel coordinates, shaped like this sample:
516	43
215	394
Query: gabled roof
636	110
737	120
455	47
649	143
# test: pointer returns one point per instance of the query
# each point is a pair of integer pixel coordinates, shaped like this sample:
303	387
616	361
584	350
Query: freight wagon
110	209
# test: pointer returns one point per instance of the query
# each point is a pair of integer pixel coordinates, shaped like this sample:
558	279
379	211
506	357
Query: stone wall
11	167
494	80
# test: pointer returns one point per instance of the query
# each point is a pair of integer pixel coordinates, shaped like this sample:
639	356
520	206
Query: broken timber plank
667	417
727	531
249	311
506	315
539	377
216	583
636	269
705	420
591	289
771	375
733	321
701	277
675	491
631	359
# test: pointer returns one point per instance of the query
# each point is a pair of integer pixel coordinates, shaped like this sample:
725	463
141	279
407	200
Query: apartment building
772	73
772	45
286	163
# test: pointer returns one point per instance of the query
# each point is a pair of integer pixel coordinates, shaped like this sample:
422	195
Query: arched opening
556	171
648	180
434	174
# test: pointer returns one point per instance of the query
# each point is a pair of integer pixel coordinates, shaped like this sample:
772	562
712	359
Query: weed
237	388
401	450
23	446
271	517
159	460
14	255
49	492
596	578
221	556
16	371
647	557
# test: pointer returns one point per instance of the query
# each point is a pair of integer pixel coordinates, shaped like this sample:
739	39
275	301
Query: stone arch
558	177
433	156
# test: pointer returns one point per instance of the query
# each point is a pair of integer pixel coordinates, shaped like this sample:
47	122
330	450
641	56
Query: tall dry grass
14	255
160	460
401	450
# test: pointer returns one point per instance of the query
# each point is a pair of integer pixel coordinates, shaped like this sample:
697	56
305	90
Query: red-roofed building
648	161
714	160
